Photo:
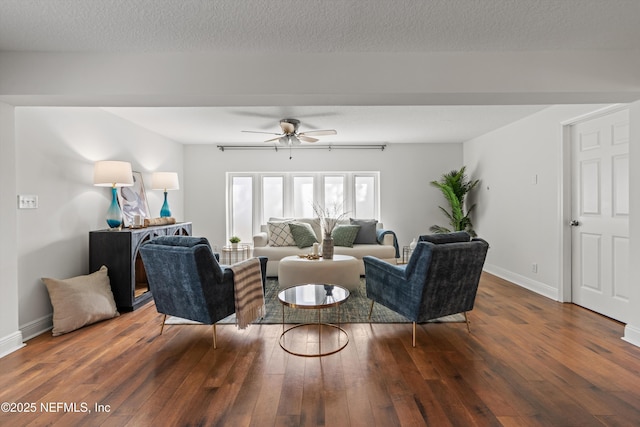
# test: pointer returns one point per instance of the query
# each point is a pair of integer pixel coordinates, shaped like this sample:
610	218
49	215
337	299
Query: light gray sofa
387	250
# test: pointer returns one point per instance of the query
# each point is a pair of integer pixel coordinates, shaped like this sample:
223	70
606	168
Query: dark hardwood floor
528	361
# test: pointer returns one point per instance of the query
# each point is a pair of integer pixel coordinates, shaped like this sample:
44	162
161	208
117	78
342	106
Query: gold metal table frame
314	297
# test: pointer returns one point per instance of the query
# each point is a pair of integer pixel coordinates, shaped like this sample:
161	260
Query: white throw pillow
280	234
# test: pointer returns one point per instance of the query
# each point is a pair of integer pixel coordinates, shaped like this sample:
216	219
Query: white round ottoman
343	270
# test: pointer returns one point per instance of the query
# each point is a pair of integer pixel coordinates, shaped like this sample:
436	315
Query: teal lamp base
165	211
114	214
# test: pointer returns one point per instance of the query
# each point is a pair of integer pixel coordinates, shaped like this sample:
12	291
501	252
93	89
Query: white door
600	214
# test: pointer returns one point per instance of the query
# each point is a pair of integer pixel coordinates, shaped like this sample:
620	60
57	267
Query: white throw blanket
249	295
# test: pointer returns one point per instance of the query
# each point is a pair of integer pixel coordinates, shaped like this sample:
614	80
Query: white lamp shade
110	173
165	181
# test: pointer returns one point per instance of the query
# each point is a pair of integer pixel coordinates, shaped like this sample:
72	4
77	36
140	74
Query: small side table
406	254
314	297
233	254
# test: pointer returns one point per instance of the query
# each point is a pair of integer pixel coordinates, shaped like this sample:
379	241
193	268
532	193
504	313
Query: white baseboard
11	343
632	335
37	327
525	282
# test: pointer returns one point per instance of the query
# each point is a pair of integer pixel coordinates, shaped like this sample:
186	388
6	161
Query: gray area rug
354	310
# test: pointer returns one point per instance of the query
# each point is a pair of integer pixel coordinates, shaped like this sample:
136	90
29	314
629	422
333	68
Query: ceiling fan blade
273	139
306	138
257	131
320	132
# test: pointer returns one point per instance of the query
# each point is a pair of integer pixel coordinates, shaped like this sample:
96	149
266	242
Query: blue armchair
441	278
186	280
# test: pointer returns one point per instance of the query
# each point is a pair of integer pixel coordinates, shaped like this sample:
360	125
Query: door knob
574	223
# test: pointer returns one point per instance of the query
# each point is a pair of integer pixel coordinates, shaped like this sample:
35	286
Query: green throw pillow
345	235
303	234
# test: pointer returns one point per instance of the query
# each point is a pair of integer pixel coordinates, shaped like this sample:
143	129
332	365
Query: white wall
409	205
518	218
10	336
55	152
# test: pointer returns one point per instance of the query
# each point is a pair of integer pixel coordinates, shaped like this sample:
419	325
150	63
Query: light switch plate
27	201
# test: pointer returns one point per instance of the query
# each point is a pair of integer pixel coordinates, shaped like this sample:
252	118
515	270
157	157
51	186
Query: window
294	194
303	197
334	194
365	205
272	196
241	223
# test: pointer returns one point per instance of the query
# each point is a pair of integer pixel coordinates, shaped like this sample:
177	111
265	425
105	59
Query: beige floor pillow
80	301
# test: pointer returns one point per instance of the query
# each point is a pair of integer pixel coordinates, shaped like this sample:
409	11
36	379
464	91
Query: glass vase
114	214
165	211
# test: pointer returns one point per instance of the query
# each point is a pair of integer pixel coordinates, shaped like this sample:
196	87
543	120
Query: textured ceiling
320	26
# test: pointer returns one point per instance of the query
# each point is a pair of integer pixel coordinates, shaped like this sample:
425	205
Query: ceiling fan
291	136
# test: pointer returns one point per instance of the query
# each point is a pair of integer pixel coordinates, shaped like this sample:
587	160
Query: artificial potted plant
234	241
454	187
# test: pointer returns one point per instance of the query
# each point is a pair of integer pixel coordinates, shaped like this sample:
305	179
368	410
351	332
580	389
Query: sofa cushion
315	225
367	232
345	235
276	253
280	234
303	234
80	301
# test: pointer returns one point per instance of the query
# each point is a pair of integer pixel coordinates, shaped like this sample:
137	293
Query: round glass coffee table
314	297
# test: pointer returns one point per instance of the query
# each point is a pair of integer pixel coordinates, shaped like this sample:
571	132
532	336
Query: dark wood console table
118	250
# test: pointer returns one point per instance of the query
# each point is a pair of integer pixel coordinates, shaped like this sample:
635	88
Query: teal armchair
441	278
187	281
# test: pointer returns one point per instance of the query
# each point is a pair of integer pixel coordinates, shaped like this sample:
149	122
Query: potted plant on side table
234	240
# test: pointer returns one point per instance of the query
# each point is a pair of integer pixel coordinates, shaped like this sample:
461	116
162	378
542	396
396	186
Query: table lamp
165	181
113	174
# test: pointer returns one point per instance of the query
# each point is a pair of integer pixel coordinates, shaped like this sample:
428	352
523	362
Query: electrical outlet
534	267
27	201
